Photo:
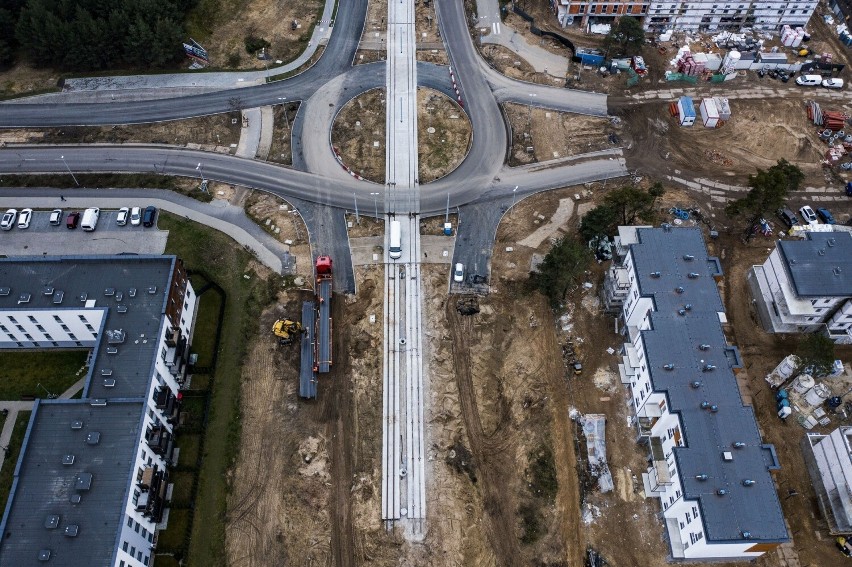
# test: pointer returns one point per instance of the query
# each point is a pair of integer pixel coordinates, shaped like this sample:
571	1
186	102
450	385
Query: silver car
123	213
9	218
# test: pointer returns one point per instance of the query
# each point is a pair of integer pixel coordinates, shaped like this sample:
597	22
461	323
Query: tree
630	204
769	190
600	221
7	38
561	268
626	37
816	354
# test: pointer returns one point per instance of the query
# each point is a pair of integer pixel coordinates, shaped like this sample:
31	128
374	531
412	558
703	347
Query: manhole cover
430	130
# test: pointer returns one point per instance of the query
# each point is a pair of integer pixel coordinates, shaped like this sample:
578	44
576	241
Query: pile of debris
468	305
718	158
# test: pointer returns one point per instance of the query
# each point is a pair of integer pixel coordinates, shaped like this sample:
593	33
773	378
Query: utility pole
357	218
200	169
376	204
69	170
286	119
447	218
512	208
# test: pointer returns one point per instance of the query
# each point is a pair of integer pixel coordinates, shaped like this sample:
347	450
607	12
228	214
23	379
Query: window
124	547
129	522
139	556
133	550
694	512
32	319
136	527
136	494
121	563
146	560
144	532
681	525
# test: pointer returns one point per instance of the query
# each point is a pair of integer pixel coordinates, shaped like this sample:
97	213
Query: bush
234	59
254	44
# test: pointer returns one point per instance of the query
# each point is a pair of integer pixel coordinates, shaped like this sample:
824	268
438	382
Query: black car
149	216
788	217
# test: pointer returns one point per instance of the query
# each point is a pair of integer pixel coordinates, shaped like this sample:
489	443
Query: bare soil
269	19
552	134
513	65
444	134
281	150
22	79
358	135
278	218
210	133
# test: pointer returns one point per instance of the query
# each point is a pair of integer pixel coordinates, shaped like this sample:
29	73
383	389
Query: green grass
192	411
7	473
173	539
149	180
206	321
216	257
182	492
167	561
190	445
22	371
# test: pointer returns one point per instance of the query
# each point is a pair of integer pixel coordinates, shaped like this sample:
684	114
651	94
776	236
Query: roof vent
739	445
24	298
721	492
679	289
131	292
693	275
714	408
748	482
58	297
83	297
666	227
831	242
98	402
705	404
681	312
68	460
47	290
152	290
701	477
746	535
71	530
656	274
688	257
51	522
44	555
821	251
668	366
4	291
83	481
696	384
77	424
688	307
708	368
704	347
110	291
93	438
75	499
727	456
837	270
116	335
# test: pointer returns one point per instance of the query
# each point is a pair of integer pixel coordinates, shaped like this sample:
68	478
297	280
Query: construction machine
287	331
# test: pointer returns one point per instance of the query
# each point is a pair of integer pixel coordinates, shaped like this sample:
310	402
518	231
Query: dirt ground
269	19
281	150
24	79
276	216
211	133
358	135
512	65
444	134
552	134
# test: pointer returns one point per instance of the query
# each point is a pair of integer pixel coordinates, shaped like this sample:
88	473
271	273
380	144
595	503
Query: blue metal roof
673	267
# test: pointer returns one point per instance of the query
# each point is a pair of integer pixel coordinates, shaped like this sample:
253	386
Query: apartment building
805	286
90	484
829	460
707	463
690	15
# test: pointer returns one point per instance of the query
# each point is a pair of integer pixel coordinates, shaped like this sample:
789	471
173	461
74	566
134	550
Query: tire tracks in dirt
492	451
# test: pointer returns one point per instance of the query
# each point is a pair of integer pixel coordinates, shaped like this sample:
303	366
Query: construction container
817	395
709	113
685	111
723	107
803	383
729	63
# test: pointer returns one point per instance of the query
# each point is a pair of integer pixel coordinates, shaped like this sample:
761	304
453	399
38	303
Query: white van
395	250
809	80
90	219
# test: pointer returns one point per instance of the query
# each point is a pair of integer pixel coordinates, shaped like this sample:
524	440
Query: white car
56	217
458	273
24	218
123	213
809	215
9	218
833	83
135	216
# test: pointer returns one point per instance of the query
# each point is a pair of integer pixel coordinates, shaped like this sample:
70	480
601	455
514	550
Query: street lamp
200	169
69	170
376	204
529	115
287	120
357	218
512	208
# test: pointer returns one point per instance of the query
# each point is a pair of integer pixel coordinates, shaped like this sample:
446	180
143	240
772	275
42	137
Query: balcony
173	336
165	401
153	484
659	470
160	441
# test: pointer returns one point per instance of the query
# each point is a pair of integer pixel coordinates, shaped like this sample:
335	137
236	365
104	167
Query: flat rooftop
132	288
100	443
690	361
820	265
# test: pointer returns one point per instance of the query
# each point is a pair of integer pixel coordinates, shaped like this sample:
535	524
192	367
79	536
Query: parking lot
43	239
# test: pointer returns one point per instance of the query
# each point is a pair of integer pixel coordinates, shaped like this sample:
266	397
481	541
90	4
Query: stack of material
638	65
834	153
814	112
689	66
791	37
723	107
833	120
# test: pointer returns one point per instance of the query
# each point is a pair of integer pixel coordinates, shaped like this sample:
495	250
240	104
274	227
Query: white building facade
829	460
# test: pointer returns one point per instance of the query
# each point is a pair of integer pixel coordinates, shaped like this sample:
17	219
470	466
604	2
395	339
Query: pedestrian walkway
542	60
249	133
267	128
489	16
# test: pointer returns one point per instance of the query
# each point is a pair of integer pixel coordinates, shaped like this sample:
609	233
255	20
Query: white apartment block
829	460
90	484
707	463
805	286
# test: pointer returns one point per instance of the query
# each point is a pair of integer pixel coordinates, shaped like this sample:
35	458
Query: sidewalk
542	60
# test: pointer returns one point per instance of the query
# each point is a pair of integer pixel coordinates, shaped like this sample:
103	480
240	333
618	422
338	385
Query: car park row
88	218
809	215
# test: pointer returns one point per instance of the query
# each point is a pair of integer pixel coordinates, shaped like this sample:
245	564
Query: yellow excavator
287	331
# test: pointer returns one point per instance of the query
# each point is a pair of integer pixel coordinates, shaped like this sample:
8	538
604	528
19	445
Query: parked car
135	216
826	215
123	213
809	80
56	217
149	216
809	215
24	218
788	217
9	218
73	220
833	83
458	273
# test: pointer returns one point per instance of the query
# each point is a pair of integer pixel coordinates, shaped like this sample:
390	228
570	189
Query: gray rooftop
44	486
821	264
673	266
133	288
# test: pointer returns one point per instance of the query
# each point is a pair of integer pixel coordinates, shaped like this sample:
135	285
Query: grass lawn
167	561
204	335
182	492
7	473
173	539
216	257
189	446
192	414
22	371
